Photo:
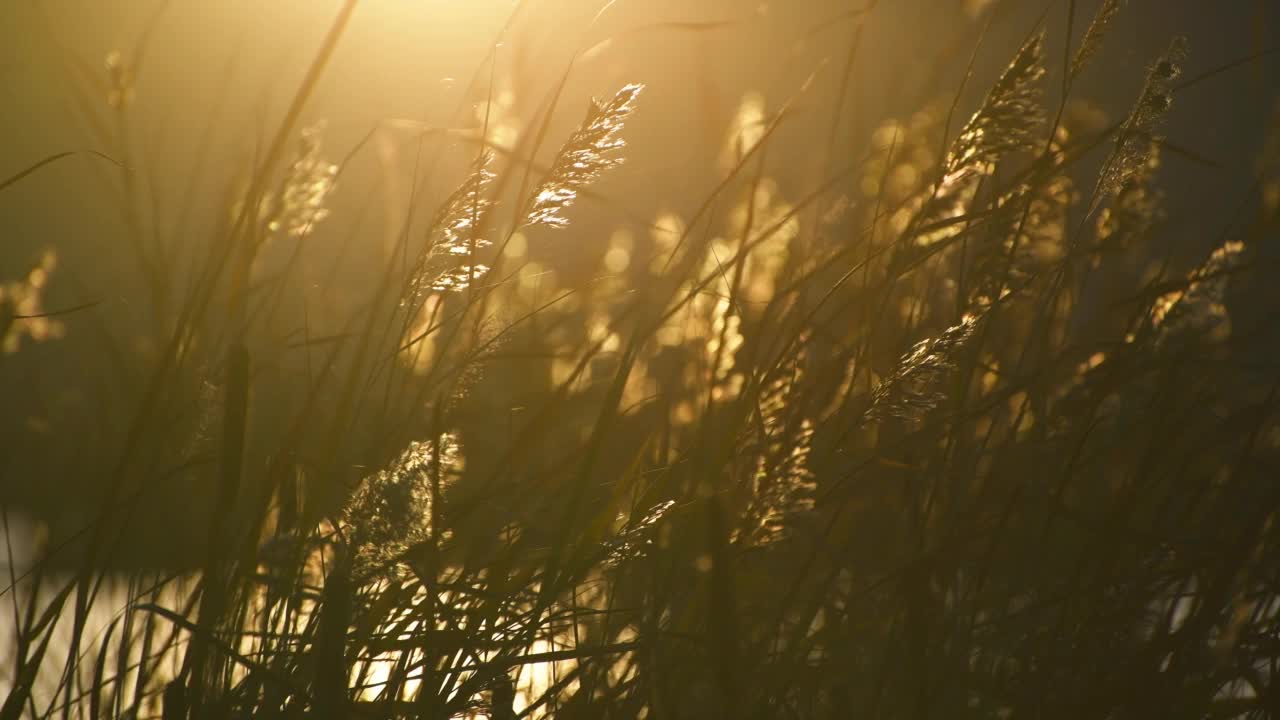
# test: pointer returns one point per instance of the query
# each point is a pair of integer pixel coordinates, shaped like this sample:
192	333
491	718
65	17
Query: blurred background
185	94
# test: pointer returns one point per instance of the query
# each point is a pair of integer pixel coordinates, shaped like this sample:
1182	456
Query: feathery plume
391	511
1094	35
913	388
1008	118
583	158
1198	307
1140	131
781	484
446	263
1137	208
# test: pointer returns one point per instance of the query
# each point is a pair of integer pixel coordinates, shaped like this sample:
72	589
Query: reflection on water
123	634
106	622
